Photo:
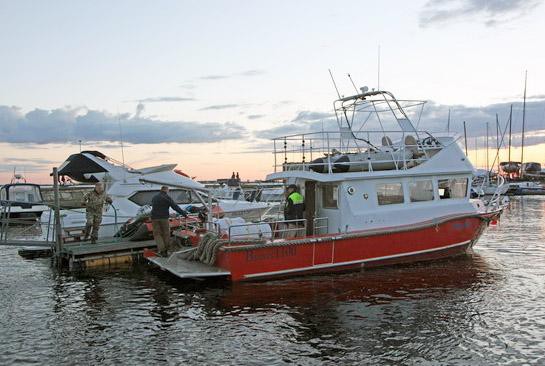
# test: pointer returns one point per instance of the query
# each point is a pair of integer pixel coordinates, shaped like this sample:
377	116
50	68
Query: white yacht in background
21	200
485	184
132	189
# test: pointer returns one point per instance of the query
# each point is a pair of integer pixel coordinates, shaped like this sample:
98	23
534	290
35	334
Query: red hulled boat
373	197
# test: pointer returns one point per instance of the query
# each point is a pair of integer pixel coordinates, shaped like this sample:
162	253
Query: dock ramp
182	268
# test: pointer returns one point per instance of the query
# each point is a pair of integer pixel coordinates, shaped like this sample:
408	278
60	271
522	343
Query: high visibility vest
296	198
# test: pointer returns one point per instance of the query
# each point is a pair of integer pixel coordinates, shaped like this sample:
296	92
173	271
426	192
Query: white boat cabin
358	179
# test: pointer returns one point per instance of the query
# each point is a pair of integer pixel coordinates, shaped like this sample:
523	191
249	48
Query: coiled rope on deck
206	251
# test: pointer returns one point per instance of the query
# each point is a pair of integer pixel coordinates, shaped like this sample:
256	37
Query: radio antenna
378	68
354	85
334	84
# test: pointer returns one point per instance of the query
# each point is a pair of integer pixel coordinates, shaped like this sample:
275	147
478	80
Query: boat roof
93	166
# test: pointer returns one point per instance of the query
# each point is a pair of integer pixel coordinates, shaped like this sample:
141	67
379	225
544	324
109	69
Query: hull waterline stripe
340	264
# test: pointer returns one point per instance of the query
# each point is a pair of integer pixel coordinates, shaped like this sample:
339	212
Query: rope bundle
206	251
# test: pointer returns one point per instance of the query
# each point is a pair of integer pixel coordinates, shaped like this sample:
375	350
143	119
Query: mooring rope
206	251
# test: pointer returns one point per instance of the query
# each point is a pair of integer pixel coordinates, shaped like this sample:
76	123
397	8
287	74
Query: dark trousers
161	234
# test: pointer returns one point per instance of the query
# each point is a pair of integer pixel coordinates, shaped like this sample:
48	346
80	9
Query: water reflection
483	308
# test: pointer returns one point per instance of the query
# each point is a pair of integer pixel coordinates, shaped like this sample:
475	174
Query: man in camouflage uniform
94	203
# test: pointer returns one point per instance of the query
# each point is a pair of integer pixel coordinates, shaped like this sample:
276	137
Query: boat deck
188	269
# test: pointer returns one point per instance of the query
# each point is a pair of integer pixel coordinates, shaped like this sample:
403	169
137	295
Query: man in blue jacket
160	205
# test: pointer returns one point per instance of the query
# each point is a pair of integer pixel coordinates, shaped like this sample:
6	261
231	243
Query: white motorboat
485	184
21	200
132	189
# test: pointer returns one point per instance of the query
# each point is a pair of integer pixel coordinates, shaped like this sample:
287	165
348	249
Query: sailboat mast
498	140
465	136
510	125
523	122
487	146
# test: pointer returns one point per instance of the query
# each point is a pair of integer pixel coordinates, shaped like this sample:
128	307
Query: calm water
484	308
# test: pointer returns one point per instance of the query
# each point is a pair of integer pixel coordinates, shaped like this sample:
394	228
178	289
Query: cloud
255	116
247	73
434	119
64	125
214	77
187	86
251	73
220	106
304	122
27	161
536	97
8	168
25	165
164	99
490	12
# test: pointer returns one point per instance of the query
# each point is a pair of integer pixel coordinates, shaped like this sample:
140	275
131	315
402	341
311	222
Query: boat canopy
80	167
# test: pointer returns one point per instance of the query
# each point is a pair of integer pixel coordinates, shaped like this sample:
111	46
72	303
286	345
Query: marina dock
82	256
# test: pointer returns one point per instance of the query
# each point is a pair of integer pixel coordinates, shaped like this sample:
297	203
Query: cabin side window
329	196
421	190
452	188
389	193
180	196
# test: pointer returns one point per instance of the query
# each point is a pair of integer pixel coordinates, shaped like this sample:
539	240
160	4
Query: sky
206	84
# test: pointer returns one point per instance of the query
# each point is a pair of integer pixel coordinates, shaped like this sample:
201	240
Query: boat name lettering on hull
274	253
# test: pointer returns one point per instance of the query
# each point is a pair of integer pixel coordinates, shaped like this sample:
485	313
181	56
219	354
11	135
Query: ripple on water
483	308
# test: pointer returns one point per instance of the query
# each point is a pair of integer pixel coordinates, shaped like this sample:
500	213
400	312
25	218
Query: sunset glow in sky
205	84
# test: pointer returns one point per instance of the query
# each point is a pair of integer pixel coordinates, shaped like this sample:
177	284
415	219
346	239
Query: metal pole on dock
57	208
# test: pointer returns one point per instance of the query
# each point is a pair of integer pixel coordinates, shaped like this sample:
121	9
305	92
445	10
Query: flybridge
375	133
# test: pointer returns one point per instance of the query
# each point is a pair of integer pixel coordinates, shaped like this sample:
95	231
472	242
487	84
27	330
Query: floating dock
81	256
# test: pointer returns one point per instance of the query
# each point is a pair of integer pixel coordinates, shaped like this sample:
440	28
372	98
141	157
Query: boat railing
401	149
320	225
496	201
279	229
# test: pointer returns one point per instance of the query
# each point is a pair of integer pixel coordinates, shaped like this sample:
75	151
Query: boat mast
476	149
523	122
448	121
465	136
486	146
510	125
498	140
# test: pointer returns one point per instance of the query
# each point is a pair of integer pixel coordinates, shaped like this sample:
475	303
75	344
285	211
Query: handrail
274	228
495	201
280	227
329	144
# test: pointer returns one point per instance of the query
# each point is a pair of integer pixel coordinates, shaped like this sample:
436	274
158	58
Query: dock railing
21	229
402	149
